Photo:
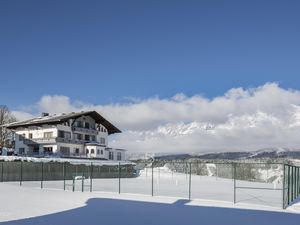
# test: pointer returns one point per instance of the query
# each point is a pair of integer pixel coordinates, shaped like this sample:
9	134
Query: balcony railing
51	140
85	130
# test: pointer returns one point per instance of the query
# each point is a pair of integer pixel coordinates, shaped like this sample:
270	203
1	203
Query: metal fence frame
290	185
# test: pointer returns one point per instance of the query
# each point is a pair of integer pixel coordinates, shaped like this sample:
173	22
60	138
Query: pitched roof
56	119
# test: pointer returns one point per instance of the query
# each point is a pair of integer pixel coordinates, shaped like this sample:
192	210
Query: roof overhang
52	120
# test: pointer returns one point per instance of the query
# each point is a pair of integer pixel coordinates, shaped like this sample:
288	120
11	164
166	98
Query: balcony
39	141
85	130
36	141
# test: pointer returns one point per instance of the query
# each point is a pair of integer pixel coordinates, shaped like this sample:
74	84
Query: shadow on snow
111	211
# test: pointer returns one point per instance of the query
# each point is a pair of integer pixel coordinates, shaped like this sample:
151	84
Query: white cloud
241	119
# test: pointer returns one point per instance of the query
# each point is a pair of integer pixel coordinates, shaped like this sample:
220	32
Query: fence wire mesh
258	183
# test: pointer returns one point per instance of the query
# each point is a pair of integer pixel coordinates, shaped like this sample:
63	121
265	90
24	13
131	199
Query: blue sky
102	51
236	63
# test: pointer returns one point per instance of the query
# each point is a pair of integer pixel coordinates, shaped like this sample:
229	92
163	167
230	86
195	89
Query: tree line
6	117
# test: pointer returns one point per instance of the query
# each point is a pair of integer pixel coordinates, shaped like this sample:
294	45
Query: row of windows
93	151
46	135
86	137
87	125
111	156
84	125
65	134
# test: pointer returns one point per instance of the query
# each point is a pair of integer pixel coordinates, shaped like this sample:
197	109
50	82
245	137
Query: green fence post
42	175
152	178
64	175
21	173
119	167
288	184
283	188
190	180
234	183
91	177
73	188
297	186
2	171
82	182
294	183
298	180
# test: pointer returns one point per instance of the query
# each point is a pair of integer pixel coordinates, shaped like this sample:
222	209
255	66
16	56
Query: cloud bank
241	119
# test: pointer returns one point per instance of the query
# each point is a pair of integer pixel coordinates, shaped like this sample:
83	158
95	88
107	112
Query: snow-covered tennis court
34	206
168	183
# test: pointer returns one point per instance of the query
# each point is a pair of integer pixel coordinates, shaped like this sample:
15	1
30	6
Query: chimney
45	114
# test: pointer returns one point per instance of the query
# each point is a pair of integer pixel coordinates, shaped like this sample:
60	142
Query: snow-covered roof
56	119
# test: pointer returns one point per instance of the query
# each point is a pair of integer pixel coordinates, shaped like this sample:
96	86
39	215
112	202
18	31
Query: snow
211	196
33	206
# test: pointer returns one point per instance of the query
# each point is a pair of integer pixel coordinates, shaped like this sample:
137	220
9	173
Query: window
30	136
48	150
36	149
101	152
87	151
21	151
93	138
79	136
79	123
87	137
64	134
119	156
92	151
87	125
98	151
21	137
77	151
48	134
61	134
102	140
111	156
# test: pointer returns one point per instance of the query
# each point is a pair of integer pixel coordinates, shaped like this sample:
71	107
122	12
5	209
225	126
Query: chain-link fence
269	184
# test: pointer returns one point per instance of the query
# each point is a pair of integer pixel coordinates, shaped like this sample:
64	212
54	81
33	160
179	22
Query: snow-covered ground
34	206
212	201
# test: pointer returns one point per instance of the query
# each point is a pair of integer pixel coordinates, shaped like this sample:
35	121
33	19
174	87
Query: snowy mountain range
268	153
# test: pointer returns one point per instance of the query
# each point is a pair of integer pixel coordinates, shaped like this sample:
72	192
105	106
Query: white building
83	134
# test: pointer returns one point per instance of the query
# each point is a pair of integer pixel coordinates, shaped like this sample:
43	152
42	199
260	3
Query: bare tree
5	117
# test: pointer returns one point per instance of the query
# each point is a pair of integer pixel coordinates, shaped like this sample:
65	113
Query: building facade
82	135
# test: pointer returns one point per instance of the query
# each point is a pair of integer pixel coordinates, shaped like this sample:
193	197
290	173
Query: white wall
38	133
96	148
